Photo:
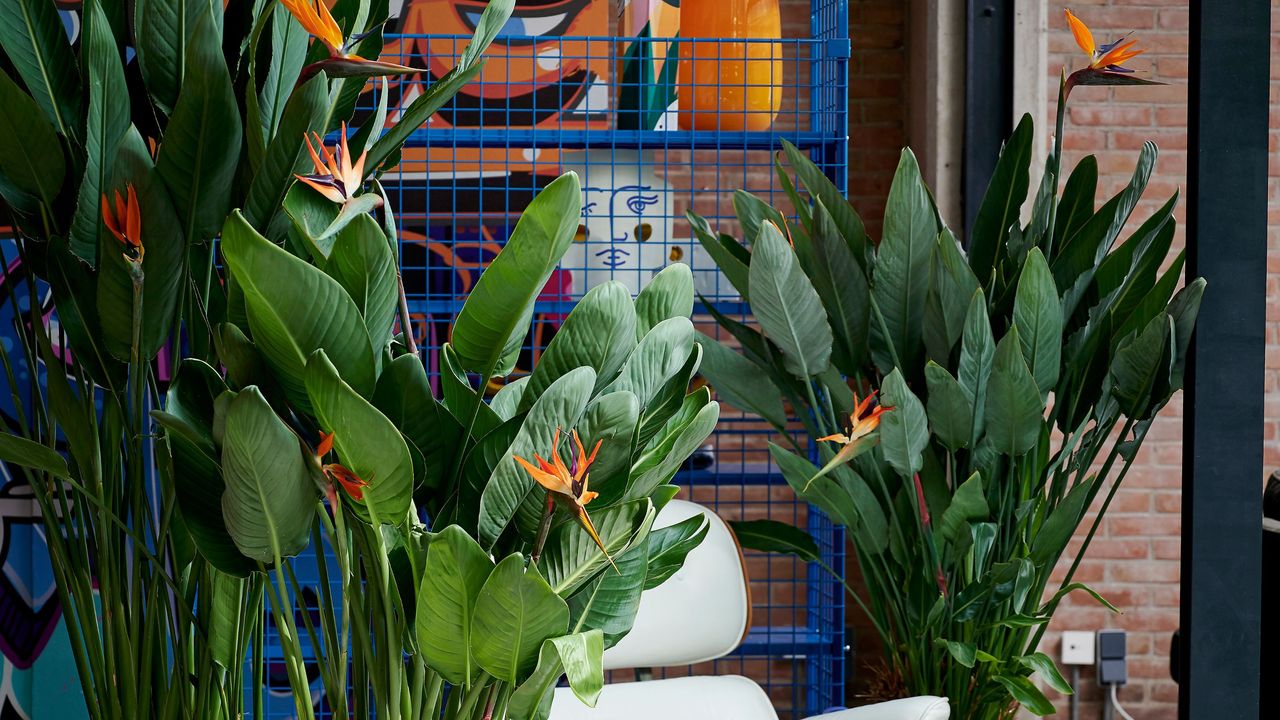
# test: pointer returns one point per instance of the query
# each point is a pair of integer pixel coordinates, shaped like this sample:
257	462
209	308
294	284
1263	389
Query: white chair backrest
700	613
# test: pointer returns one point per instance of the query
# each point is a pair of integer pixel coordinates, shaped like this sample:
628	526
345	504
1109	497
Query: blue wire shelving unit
464	179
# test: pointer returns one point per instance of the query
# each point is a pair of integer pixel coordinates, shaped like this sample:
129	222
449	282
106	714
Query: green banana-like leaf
611	420
730	257
659	356
968	504
787	306
669	546
685	432
740	382
577	657
571	558
1002	202
404	396
669	294
950	407
495	318
823	191
904	430
949	295
1037	313
776	537
609	602
900	284
368	444
456	570
753	213
33	168
201	147
838	277
559	407
161	263
270	498
295	309
35	41
514	613
977	349
361	261
506	402
286	154
1014	408
599	333
107	122
162	29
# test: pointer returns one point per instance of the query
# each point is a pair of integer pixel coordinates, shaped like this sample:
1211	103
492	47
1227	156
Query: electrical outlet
1112	664
1077	647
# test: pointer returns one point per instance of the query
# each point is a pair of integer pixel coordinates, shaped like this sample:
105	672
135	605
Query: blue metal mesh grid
549	103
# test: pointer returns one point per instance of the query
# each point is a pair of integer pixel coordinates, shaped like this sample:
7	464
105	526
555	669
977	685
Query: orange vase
728	85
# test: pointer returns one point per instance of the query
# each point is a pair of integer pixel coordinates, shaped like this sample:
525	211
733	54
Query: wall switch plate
1077	647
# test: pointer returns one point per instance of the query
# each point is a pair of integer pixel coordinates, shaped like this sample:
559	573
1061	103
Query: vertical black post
988	95
1222	463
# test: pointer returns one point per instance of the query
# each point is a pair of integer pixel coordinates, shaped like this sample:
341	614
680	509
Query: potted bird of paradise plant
1017	376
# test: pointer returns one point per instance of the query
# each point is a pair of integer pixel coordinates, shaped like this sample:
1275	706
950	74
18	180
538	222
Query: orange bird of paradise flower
1104	66
315	18
335	472
568	485
858	437
334	176
124	222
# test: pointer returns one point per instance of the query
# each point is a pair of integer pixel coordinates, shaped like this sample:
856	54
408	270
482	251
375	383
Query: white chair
702	613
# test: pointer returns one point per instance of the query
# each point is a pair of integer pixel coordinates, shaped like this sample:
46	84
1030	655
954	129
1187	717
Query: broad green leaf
739	382
35	40
598	333
1052	538
559	407
950	407
669	294
162	263
242	360
578	657
1184	308
669	399
775	537
187	420
962	652
838	278
1026	693
270	499
33	165
1037	314
977	351
161	32
949	295
287	152
753	213
455	571
968	504
668	451
1002	202
733	265
404	396
610	600
107	122
1014	409
289	42
1137	365
495	318
659	355
787	306
610	420
1068	589
29	454
201	147
833	201
669	546
1044	666
514	613
361	261
1076	206
506	402
904	430
476	418
842	494
295	309
495	15
227	595
368	444
900	284
571	558
311	215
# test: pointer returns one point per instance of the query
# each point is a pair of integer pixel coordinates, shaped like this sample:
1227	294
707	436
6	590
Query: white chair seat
730	697
925	707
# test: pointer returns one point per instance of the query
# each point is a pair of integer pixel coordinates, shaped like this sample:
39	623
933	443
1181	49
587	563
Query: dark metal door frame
1228	94
988	96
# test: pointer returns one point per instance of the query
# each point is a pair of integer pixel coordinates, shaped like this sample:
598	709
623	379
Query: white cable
1115	703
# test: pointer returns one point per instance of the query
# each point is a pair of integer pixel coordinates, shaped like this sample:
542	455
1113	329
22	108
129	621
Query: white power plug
1078	647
